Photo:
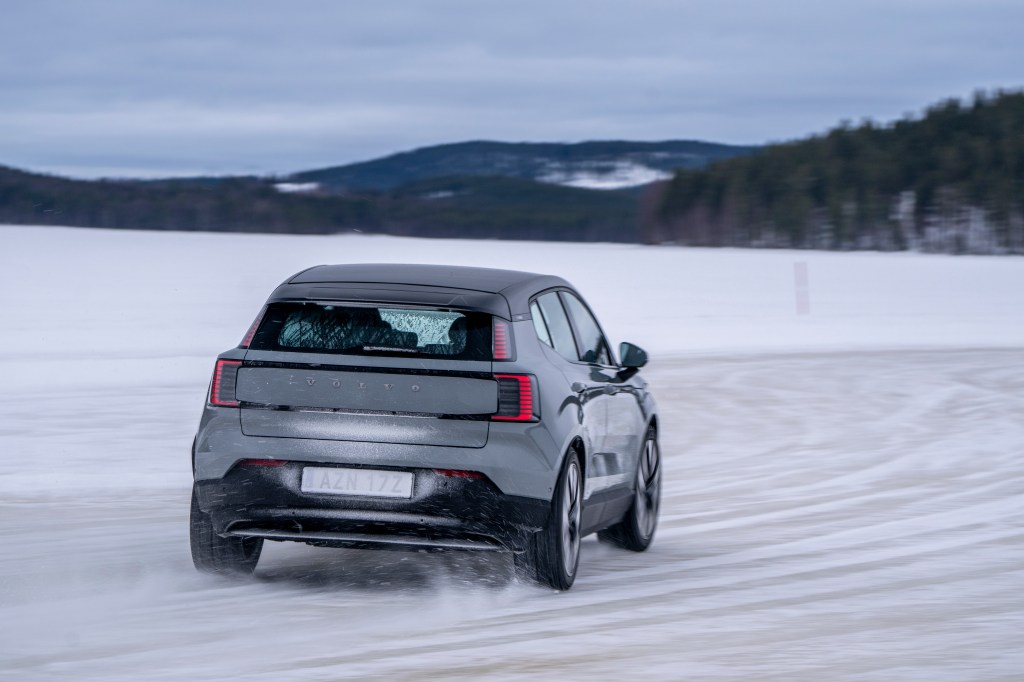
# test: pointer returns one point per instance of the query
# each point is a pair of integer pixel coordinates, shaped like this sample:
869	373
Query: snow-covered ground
603	175
844	488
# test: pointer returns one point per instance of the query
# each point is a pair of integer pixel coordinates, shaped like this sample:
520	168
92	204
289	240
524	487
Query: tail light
269	463
501	343
516	401
222	388
459	473
252	329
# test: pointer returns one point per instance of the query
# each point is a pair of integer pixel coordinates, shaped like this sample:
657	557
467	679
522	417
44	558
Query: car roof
503	292
453	276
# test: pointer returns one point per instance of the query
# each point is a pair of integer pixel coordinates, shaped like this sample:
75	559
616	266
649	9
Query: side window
539	324
558	326
593	347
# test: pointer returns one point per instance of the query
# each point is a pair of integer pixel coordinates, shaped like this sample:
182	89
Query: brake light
515	398
222	388
252	329
501	344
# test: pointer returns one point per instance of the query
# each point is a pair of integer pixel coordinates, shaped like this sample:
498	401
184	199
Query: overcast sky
141	88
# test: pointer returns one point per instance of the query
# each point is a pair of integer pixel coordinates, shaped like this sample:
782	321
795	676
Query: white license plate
368	482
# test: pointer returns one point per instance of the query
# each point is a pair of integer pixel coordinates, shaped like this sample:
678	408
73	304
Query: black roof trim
502	292
491	280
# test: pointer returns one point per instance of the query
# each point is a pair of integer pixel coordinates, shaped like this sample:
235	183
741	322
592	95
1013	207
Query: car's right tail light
517	398
222	388
501	340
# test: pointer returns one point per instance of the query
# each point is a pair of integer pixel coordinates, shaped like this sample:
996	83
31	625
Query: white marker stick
802	288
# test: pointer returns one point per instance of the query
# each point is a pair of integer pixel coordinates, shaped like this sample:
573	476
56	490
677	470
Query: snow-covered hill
611	164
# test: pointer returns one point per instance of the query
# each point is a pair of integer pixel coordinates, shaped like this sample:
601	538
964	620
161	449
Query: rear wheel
636	531
212	553
553	554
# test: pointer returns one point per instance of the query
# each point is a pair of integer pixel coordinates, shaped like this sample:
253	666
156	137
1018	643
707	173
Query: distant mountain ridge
595	165
485	190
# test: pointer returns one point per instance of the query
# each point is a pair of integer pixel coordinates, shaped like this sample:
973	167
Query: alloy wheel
571	513
648	489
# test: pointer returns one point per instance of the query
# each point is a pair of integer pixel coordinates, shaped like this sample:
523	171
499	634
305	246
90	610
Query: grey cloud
262	86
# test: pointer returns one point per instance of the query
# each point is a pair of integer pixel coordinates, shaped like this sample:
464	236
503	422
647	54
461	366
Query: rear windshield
374	330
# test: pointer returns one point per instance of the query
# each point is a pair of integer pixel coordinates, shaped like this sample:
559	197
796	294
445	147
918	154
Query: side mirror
633	357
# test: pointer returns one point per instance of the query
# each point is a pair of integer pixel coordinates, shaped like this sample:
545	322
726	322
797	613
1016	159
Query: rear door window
558	326
374	330
592	345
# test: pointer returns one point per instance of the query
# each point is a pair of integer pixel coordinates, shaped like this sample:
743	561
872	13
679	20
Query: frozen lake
844	490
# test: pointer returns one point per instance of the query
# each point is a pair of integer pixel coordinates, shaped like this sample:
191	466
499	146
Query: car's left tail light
252	329
517	398
222	388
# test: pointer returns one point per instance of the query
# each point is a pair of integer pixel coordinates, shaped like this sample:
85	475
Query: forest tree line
470	207
951	181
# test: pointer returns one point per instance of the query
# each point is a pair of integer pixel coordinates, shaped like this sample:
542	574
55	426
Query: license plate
366	482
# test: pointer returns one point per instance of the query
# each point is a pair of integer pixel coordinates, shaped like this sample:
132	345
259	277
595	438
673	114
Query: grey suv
425	407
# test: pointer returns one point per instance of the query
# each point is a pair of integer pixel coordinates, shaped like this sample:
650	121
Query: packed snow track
826	516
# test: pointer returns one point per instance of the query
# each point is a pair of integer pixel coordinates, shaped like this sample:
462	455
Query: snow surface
844	492
296	187
603	175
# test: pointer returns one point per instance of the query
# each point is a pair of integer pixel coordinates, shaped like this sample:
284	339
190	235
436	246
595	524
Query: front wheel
636	531
553	554
212	553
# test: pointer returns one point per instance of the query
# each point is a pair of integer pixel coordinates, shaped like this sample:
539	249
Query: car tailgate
414	405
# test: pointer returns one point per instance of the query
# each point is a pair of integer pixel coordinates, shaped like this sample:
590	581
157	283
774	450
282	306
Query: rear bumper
443	512
520	459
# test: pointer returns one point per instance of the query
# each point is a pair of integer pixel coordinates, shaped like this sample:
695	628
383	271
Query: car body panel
356	389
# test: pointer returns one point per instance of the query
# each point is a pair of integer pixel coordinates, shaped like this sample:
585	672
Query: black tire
553	554
212	553
636	530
